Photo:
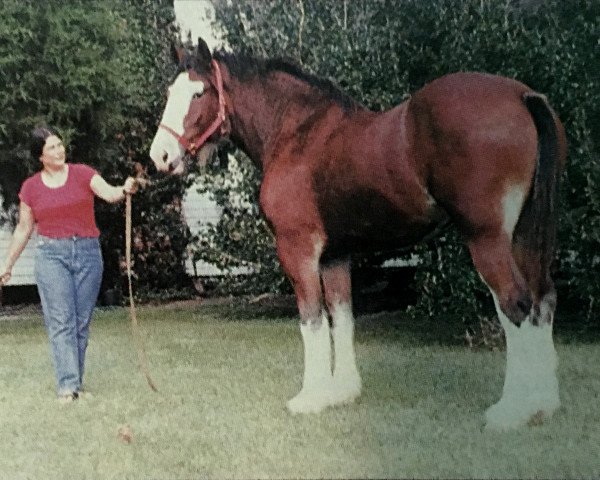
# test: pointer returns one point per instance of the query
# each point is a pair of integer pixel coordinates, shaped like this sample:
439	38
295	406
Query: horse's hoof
341	397
502	417
346	391
309	402
506	415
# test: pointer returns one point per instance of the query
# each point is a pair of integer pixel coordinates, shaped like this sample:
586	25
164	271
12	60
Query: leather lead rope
137	334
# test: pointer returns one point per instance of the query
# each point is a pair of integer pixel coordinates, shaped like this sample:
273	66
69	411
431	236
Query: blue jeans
68	273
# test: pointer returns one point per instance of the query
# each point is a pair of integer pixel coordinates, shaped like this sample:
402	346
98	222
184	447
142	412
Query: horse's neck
256	118
262	111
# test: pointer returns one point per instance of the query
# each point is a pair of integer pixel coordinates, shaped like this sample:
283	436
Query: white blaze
165	148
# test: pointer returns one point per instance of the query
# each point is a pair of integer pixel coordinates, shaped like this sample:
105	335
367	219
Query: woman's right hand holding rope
5	277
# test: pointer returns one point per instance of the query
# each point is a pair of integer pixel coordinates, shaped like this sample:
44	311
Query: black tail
536	228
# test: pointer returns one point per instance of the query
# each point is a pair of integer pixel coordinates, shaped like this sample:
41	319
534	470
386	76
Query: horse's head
195	110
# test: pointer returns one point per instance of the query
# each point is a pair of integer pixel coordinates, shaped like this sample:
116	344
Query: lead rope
137	334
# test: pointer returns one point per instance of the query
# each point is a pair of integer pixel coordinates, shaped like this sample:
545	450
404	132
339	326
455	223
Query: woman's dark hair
38	140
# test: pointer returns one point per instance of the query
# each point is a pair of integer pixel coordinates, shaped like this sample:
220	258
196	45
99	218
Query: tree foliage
380	51
95	70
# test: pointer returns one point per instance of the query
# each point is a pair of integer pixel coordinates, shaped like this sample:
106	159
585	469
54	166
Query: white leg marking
346	379
530	384
316	393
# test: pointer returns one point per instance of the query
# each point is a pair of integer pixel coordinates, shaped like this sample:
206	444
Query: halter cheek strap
182	141
196	142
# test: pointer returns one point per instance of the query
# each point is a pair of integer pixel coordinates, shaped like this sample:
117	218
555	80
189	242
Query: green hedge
96	70
380	52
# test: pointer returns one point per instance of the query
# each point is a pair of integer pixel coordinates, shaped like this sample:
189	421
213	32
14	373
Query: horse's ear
203	54
178	54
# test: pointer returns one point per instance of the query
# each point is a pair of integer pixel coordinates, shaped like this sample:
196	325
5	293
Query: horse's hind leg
299	257
338	295
530	385
541	375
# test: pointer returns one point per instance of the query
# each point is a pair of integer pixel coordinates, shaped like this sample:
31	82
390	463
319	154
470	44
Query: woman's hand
112	193
130	186
5	277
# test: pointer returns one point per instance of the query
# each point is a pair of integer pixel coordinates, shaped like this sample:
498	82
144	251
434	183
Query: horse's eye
196	95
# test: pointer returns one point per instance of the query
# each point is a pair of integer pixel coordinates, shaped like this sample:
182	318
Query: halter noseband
196	142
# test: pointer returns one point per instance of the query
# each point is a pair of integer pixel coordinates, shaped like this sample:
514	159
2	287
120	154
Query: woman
59	200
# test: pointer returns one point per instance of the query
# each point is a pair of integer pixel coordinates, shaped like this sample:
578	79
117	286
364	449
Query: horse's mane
246	67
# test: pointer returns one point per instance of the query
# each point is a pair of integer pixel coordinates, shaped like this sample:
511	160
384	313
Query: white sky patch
195	16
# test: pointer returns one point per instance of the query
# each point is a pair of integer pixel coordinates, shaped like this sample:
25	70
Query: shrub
96	70
380	52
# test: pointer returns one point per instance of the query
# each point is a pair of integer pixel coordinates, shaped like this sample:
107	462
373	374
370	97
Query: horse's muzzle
177	166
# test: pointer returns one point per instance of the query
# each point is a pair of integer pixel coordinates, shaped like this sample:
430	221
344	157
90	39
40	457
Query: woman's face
53	154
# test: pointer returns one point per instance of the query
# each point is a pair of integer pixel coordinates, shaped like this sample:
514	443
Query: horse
482	151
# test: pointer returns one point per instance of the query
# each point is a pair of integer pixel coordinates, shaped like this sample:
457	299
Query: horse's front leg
299	255
338	296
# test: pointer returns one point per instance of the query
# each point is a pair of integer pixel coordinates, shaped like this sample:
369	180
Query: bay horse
483	151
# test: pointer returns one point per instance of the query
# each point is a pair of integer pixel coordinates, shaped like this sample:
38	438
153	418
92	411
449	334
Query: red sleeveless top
65	211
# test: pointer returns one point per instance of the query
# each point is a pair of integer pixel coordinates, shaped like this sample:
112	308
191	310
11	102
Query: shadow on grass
275	308
397	325
393	325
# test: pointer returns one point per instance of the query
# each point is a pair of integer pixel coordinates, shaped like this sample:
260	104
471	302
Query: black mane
246	67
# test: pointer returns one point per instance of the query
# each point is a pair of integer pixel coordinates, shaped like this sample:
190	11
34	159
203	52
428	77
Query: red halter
195	143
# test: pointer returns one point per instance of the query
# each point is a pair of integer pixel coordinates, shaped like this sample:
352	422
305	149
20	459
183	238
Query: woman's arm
18	242
111	193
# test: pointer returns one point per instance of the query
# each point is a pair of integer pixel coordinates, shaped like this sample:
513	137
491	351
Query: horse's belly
372	223
375	237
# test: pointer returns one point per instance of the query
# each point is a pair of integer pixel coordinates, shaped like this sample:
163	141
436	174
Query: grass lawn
224	375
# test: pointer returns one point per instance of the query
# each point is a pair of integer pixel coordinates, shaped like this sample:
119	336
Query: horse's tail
535	231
